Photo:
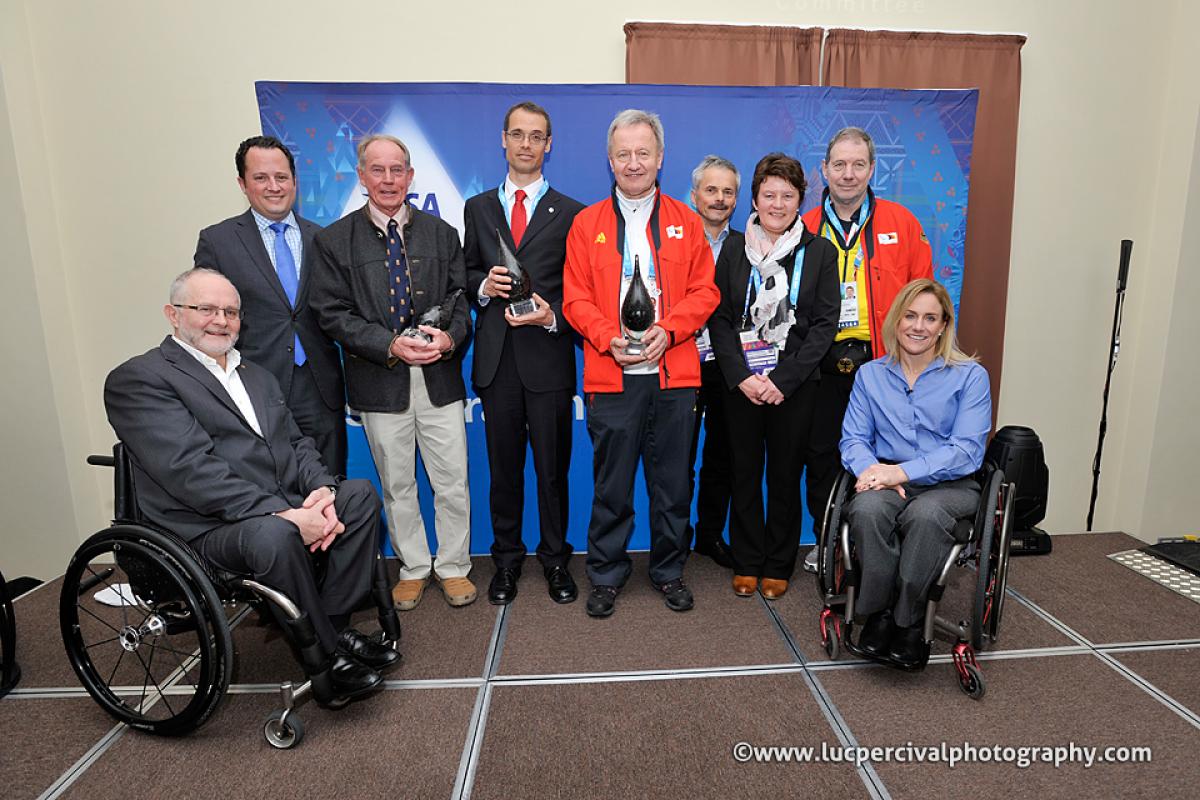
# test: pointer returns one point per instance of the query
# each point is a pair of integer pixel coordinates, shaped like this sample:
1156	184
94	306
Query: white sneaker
810	560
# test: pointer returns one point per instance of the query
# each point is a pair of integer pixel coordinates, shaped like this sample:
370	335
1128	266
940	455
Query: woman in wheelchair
914	435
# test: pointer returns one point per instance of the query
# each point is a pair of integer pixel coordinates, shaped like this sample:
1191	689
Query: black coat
545	361
350	297
817	307
235	248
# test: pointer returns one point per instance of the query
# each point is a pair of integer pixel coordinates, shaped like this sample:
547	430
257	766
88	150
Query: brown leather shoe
406	594
745	585
773	588
458	591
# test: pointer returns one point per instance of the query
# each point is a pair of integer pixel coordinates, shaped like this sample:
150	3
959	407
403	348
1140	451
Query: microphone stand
1114	350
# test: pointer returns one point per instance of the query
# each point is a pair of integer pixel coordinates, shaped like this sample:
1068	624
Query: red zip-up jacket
897	252
683	268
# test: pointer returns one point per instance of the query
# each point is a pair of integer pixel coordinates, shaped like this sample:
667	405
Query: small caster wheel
972	683
283	734
833	647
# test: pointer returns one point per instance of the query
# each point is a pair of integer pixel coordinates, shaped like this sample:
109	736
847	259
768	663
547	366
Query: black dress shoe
909	649
350	677
601	600
371	653
561	585
678	595
717	550
876	636
503	588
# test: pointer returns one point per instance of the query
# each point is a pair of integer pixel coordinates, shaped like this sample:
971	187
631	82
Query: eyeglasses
211	311
397	172
535	138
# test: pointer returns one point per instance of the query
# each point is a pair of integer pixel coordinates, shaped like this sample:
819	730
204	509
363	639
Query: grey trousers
903	543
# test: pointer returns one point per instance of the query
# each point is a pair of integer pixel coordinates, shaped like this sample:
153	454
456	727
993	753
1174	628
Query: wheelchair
145	622
981	541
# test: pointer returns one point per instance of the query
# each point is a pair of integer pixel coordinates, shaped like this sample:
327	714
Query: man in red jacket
881	247
641	403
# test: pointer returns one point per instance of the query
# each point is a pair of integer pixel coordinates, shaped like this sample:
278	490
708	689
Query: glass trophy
637	312
520	295
435	317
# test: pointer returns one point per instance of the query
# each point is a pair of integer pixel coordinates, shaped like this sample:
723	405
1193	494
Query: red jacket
897	252
683	268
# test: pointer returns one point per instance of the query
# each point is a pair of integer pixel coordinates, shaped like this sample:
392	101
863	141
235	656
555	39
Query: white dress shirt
229	378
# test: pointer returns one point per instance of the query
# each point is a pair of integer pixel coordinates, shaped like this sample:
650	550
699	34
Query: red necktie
518	217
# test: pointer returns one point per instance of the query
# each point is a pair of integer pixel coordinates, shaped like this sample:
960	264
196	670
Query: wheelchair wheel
283	734
972	682
830	569
989	589
157	654
1003	543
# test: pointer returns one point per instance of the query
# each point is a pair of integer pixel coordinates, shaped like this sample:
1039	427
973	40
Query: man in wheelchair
218	459
914	435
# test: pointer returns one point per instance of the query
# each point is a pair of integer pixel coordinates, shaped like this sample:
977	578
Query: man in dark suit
377	271
524	365
218	460
262	251
715	185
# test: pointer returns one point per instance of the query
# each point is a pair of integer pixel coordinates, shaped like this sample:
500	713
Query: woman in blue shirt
914	435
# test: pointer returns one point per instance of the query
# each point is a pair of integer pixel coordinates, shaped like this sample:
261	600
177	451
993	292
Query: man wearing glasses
219	461
262	251
377	272
524	364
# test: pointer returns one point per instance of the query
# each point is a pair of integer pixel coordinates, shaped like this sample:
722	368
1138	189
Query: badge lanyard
852	237
755	282
532	205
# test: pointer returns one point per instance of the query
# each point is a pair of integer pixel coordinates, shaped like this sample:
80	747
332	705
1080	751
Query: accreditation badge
848	317
761	357
704	345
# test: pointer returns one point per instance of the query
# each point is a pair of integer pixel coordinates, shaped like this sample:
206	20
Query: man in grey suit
263	251
218	460
377	271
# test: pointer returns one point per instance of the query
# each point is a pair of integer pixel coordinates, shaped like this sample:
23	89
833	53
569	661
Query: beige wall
122	117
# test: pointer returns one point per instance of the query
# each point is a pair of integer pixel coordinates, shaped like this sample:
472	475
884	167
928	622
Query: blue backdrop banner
453	131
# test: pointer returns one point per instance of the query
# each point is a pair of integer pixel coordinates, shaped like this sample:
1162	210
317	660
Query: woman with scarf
776	319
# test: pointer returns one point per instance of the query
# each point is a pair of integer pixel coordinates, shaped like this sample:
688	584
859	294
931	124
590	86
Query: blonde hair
947	343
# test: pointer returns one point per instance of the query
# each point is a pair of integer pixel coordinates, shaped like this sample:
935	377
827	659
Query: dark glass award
637	312
435	317
520	296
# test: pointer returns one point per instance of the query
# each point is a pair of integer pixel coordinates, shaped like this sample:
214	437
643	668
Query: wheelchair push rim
160	659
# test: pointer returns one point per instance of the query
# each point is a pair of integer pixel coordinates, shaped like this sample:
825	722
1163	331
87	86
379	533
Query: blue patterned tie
401	299
285	268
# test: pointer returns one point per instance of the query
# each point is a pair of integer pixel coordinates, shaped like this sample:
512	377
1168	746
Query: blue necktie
401	300
285	268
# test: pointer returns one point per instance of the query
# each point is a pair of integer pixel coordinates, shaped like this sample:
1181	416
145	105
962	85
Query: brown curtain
991	63
721	55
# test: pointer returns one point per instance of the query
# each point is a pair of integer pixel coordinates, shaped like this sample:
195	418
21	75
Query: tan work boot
406	594
458	591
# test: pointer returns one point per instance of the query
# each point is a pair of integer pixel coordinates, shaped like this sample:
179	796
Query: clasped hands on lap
316	518
882	476
761	390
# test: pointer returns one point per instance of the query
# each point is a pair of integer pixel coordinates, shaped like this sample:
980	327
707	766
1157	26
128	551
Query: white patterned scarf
772	312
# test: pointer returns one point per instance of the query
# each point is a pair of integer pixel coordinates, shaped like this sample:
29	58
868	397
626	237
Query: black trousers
825	459
716	475
270	549
514	418
652	425
326	426
777	439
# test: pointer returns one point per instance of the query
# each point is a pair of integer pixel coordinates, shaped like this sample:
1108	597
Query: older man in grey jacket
377	272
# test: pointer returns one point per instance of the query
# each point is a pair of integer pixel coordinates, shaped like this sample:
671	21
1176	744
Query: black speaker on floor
10	673
1018	451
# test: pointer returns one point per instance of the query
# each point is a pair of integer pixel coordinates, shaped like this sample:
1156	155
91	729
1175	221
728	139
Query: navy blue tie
401	298
285	268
